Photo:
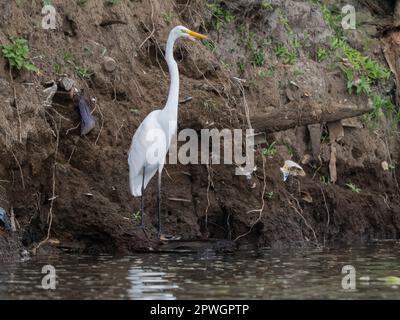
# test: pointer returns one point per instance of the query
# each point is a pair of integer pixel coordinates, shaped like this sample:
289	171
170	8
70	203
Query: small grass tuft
17	55
353	187
270	151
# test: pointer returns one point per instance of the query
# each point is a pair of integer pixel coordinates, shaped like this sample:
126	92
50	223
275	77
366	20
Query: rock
315	137
332	163
385	166
50	92
336	132
109	64
352	123
67	83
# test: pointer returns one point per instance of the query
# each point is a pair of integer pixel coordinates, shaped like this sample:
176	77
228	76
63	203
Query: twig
53	197
20	169
13	228
73	128
168	175
299	211
260	211
245	105
152	22
179	200
119	129
16	106
326	207
60	115
327	211
72	153
102	125
19	115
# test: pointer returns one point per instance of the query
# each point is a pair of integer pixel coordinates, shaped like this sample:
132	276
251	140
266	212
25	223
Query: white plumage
152	138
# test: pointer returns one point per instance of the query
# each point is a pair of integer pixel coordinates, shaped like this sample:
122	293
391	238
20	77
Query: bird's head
183	32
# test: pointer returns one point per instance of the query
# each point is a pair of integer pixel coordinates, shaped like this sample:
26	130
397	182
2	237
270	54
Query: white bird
152	138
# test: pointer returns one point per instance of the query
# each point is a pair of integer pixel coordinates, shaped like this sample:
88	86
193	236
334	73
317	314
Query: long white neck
171	107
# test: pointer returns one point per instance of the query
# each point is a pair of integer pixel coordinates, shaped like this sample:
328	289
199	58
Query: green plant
134	111
285	55
83	72
136	216
110	2
88	51
284	21
258	57
17	55
58	68
361	72
353	187
266	5
332	18
363	85
221	15
324	180
267	73
241	66
19	3
290	150
270	151
380	106
210	45
322	54
296	43
298	72
224	64
306	40
68	57
81	3
167	18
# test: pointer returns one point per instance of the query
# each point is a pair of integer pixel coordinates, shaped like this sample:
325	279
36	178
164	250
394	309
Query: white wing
137	155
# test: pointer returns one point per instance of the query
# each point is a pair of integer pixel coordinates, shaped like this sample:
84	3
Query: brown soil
38	149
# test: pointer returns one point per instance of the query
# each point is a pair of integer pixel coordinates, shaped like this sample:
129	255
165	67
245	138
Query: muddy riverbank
72	190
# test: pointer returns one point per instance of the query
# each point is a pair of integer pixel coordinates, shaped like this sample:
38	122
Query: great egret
154	134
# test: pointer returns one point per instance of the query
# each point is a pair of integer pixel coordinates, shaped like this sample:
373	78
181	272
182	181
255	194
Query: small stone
67	83
385	166
109	64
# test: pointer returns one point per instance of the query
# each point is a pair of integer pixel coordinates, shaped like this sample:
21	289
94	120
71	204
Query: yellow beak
197	35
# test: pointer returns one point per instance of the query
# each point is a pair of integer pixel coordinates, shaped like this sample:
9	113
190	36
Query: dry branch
296	114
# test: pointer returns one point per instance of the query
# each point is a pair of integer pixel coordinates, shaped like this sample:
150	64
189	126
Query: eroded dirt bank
50	174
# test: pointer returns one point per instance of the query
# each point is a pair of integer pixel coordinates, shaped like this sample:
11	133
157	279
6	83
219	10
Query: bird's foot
168	237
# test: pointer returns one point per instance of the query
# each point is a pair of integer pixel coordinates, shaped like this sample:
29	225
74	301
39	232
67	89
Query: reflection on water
149	285
264	274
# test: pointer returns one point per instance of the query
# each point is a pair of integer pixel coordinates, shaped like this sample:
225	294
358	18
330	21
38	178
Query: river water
261	274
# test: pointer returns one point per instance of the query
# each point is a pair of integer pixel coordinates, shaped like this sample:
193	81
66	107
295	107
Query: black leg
159	202
142	201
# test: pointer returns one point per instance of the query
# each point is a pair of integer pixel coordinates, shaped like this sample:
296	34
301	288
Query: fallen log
297	113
